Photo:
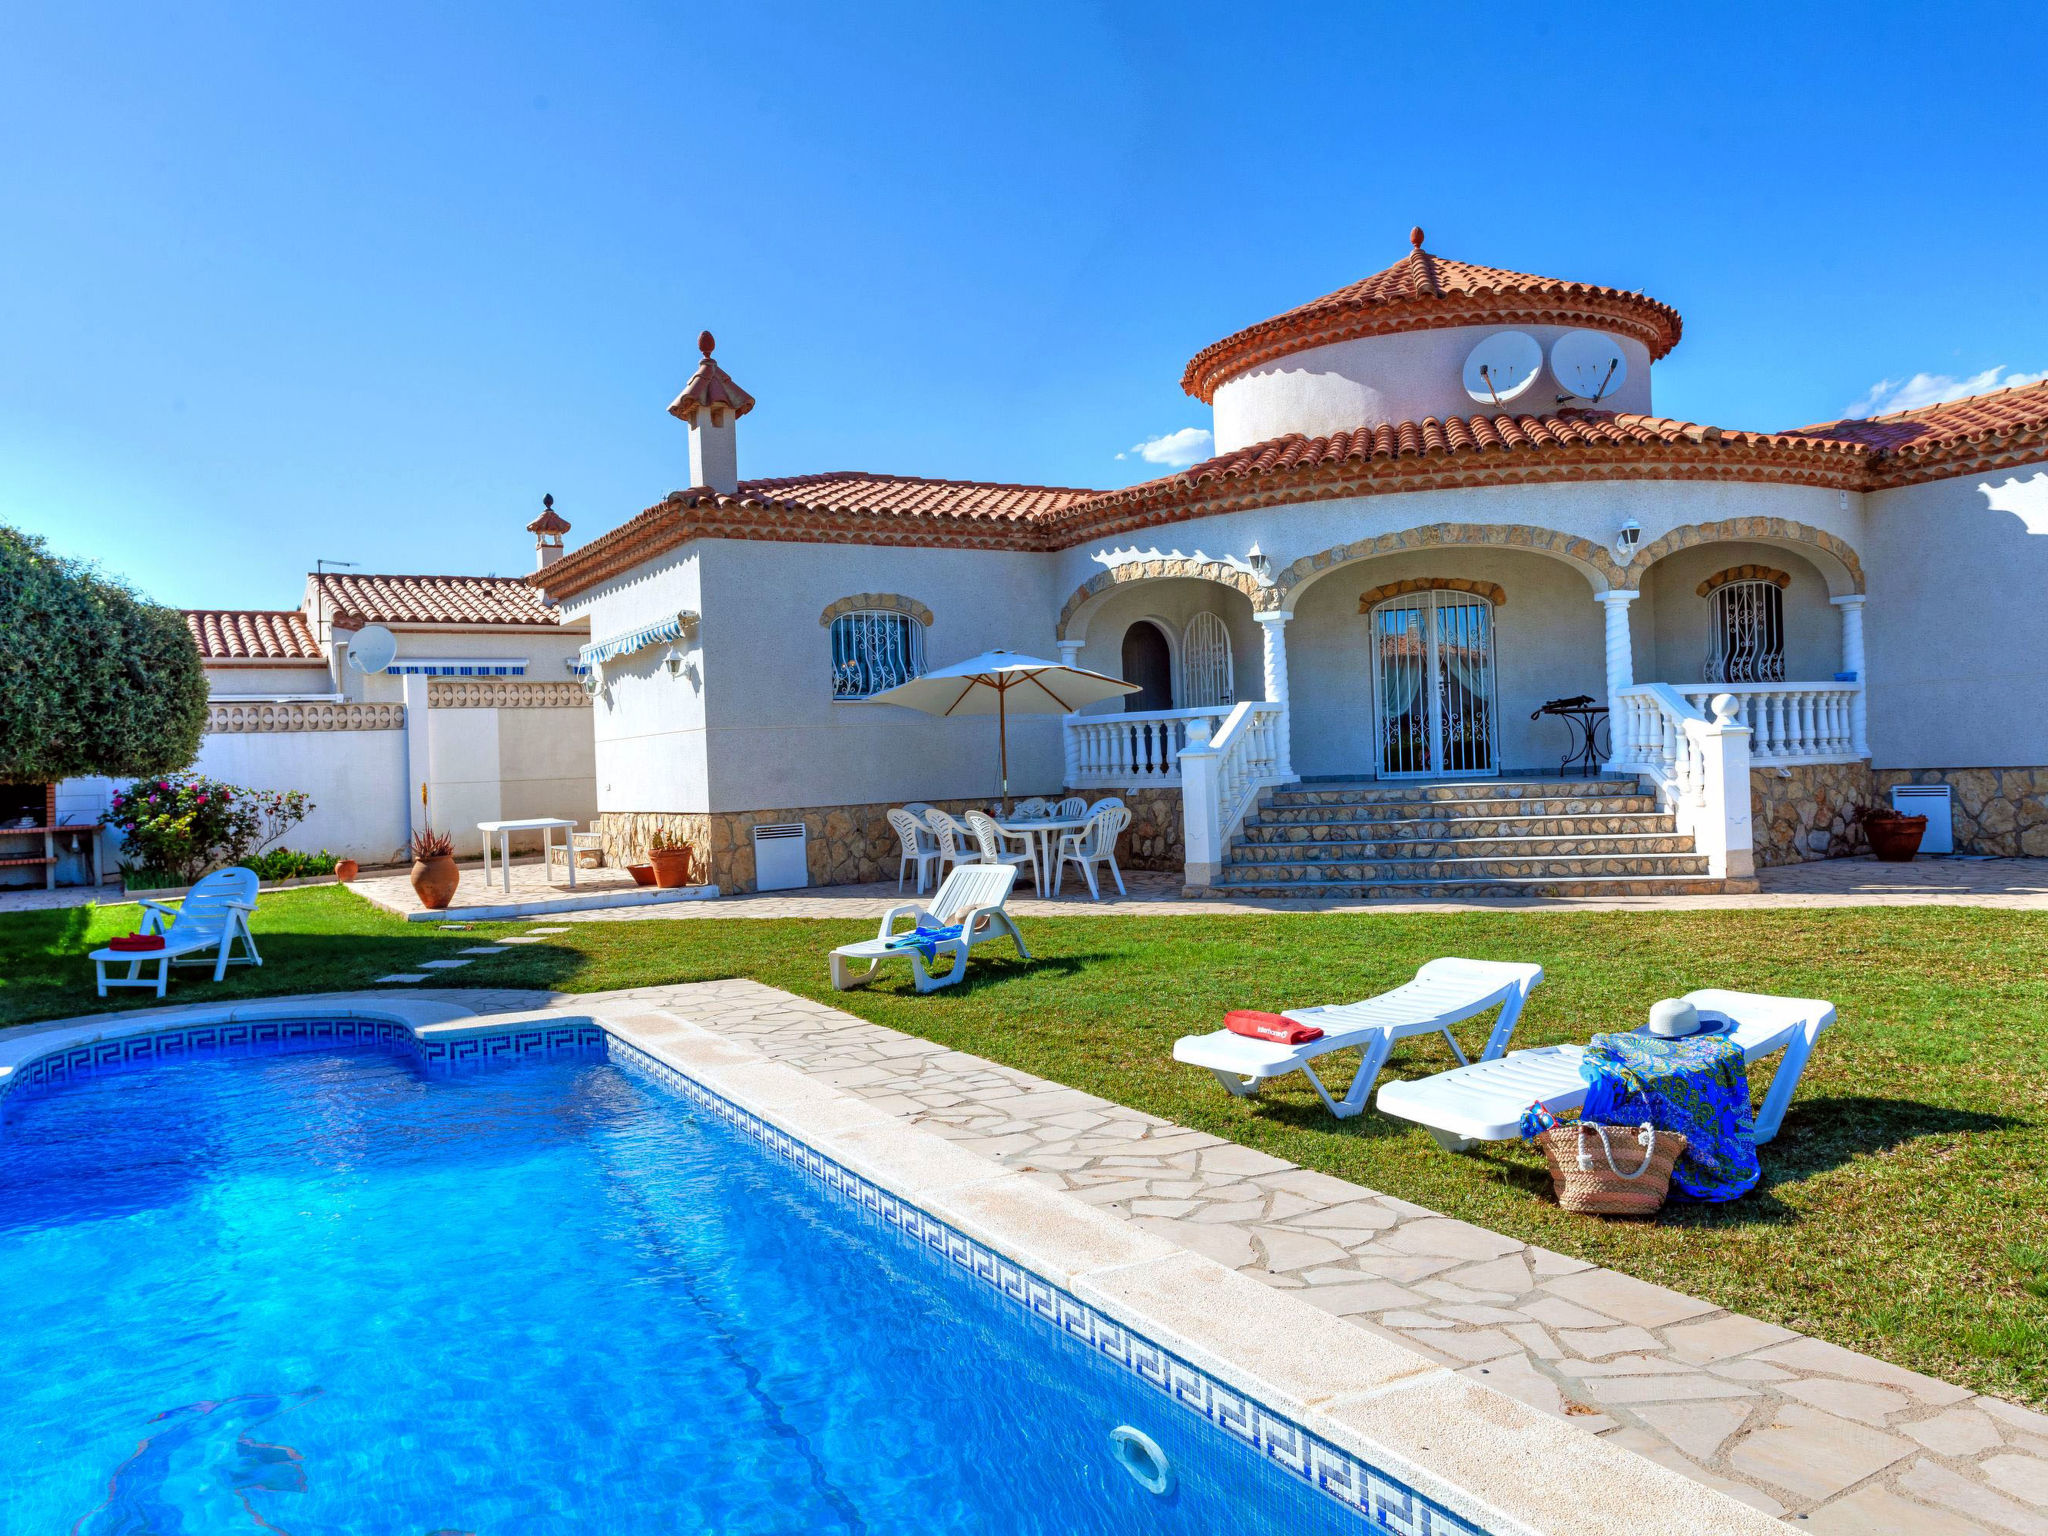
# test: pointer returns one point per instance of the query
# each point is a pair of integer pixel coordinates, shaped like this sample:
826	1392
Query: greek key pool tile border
1361	1487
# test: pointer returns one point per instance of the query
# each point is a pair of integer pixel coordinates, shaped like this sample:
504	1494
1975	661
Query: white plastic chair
213	915
956	844
1106	803
919	847
1072	807
989	838
1484	1101
1037	805
971	896
1444	992
1094	844
578	844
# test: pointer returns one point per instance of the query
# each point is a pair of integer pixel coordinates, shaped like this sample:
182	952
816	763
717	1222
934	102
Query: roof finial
548	503
705	342
1415	237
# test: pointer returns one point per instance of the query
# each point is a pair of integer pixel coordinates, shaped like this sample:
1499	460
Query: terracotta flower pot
345	870
434	881
1896	839
671	866
643	874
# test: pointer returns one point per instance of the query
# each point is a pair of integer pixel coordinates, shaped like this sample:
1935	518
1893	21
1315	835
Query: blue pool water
343	1292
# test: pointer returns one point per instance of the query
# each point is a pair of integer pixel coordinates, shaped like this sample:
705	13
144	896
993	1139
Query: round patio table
1041	834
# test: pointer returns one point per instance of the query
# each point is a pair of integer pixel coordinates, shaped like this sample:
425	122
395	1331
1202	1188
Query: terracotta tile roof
1962	437
1423	291
1954	437
844	507
252	634
355	600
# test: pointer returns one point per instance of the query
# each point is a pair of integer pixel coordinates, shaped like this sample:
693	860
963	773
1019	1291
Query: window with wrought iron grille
874	651
1746	643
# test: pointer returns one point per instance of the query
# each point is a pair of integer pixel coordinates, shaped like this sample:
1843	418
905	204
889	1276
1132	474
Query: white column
1070	739
1070	651
1852	661
1274	626
418	765
1621	673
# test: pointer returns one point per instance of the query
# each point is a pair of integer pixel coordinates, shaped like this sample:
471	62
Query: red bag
136	943
1269	1026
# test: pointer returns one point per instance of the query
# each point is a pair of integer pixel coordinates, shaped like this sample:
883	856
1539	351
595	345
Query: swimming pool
340	1290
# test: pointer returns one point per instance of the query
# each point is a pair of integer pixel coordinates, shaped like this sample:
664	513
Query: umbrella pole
1003	742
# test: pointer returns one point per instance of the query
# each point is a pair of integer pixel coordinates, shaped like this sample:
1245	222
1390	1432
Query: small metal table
1586	718
545	826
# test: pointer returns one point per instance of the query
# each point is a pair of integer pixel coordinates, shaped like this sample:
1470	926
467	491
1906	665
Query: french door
1433	686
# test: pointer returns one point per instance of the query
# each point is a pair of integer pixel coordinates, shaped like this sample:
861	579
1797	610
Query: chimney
712	405
547	531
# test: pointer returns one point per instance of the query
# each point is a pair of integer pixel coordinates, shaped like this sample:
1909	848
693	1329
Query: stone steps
1332	824
1412	847
1547	837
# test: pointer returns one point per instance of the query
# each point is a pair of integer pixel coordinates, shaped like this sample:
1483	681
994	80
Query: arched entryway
1148	662
1435	703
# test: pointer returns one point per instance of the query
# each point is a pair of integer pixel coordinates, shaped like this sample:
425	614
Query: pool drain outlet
1139	1454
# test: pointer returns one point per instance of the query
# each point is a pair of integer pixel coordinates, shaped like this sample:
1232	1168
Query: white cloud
1190	445
1925	389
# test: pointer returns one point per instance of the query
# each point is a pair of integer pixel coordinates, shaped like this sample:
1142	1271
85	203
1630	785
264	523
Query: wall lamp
1625	542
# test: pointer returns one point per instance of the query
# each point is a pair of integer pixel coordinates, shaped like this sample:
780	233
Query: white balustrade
1791	722
1223	768
1698	766
1129	751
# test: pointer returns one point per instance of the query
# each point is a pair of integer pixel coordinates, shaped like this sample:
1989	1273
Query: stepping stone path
532	931
529	939
442	965
486	949
402	976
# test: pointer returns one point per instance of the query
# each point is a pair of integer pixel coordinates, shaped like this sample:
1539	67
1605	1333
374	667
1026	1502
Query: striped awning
662	632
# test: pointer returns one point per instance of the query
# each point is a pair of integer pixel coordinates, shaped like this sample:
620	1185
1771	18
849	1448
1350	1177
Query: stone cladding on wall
854	844
1803	813
1998	811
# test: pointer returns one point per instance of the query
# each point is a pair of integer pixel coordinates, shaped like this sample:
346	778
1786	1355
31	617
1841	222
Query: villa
1441	498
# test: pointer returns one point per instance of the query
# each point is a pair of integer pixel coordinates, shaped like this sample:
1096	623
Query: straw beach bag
1610	1170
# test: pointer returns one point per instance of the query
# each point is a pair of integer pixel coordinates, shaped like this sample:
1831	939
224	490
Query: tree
93	679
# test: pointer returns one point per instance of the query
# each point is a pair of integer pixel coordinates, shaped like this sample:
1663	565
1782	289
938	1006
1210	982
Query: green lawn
1901	1212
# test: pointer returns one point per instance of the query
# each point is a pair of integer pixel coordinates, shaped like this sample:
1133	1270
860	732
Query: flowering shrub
185	825
289	864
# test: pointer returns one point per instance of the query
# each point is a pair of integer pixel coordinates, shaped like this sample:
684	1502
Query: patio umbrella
1004	683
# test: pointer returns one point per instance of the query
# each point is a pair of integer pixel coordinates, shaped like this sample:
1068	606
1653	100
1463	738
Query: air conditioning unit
780	859
1936	803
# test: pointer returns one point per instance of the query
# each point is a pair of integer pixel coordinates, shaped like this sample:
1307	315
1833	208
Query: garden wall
1998	811
1802	813
350	758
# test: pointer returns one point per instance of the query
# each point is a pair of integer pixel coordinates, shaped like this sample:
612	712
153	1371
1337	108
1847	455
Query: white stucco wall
227	682
1957	623
356	780
545	651
775	736
648	727
1404	377
503	764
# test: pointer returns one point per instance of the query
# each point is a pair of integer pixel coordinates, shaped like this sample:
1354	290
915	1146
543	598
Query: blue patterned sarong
1697	1086
926	937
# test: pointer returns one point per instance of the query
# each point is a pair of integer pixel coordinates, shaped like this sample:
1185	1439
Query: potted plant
346	870
434	876
671	860
1894	838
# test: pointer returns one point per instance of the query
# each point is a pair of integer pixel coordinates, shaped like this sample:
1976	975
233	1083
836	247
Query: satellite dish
1502	367
373	648
1588	364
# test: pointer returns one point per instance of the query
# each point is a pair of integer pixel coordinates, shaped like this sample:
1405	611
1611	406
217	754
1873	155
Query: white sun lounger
213	916
972	896
1444	992
1484	1101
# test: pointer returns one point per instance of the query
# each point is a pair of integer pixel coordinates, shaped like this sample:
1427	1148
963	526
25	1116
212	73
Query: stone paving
1836	1441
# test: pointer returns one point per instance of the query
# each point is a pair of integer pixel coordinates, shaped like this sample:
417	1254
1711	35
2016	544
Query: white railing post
1200	797
1852	661
1621	675
1274	626
1722	830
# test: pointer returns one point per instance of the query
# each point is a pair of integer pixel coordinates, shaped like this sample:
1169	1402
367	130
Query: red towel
1269	1026
136	943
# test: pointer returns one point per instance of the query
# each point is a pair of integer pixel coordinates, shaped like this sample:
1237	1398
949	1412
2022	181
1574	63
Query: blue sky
363	282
